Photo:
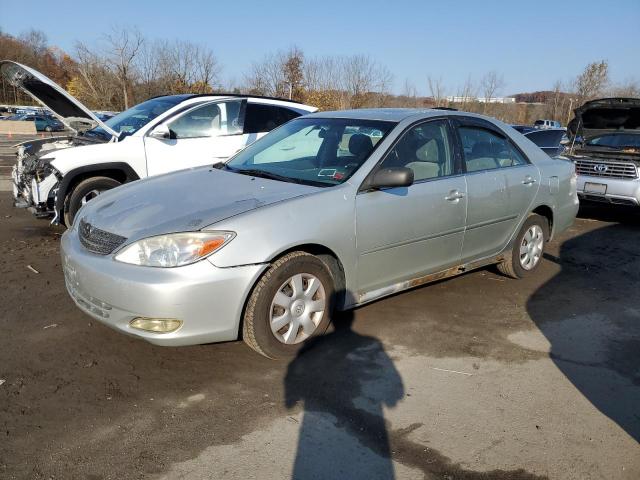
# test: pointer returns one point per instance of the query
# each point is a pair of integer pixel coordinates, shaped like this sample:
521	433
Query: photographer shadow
344	380
590	315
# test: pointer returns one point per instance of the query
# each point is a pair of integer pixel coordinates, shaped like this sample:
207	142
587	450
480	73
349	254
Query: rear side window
486	150
264	118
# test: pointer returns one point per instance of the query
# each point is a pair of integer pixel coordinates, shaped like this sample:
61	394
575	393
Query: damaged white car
160	135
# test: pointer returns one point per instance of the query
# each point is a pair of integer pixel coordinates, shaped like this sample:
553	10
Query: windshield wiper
256	172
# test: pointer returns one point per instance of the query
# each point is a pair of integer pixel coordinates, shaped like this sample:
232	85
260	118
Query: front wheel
292	302
85	191
528	248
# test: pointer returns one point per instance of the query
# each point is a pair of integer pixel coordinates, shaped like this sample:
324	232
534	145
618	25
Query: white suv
543	124
160	135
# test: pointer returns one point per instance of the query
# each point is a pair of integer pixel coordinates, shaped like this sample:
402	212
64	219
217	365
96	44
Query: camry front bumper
207	300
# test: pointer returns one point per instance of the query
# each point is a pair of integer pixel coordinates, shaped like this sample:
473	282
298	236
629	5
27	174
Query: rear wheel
48	128
528	248
292	302
84	192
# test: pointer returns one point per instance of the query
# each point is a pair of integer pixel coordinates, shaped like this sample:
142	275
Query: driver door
203	135
405	233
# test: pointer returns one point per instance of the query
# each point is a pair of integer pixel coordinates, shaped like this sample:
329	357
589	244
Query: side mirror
392	177
160	131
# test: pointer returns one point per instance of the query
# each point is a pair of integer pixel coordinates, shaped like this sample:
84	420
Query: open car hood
605	115
69	110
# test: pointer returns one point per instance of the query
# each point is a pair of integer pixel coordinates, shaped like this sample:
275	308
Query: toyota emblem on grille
601	167
86	229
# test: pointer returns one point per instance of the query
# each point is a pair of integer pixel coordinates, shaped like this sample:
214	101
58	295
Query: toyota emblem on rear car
601	167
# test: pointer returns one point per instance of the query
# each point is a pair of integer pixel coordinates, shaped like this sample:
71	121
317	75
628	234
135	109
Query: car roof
394	114
189	96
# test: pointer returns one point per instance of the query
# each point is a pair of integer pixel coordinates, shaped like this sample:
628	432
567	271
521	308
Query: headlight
175	249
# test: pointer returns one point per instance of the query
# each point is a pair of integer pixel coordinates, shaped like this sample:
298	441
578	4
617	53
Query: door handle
454	196
528	180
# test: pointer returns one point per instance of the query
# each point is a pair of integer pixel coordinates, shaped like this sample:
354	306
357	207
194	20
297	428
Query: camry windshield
615	140
133	119
313	151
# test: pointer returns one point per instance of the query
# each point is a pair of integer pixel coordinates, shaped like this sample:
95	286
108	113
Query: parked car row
264	236
43	123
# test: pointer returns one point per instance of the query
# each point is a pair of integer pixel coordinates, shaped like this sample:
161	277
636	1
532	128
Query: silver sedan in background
328	212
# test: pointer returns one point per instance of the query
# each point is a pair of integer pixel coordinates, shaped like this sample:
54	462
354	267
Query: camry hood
188	200
69	110
605	115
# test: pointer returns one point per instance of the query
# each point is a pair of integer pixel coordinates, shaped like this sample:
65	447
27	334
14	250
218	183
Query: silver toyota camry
328	212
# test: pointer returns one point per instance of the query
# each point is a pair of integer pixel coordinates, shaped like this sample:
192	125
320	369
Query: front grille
606	168
98	241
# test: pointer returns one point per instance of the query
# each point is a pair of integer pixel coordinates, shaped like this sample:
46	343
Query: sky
531	44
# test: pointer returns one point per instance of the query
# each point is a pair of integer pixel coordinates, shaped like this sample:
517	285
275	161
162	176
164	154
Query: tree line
123	67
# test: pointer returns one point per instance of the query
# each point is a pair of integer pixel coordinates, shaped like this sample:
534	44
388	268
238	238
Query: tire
526	255
47	129
83	192
263	307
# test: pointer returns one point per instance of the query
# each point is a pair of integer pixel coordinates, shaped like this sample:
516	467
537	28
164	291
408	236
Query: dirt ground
477	377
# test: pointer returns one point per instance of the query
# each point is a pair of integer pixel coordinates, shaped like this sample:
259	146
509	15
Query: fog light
157	325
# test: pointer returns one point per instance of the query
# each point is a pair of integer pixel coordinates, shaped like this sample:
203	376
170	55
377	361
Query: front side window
210	120
316	151
425	149
486	150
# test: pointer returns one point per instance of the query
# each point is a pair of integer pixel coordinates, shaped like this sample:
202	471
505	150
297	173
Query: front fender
70	178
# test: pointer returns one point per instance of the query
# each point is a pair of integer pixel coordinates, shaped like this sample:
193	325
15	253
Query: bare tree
436	88
592	81
35	40
362	77
467	93
95	83
123	45
491	84
267	77
555	104
409	94
191	67
322	82
279	74
152	68
629	88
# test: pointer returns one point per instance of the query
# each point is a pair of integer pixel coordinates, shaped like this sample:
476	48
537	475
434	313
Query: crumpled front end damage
35	180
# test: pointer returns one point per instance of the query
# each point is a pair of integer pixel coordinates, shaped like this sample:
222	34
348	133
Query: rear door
403	233
501	185
205	134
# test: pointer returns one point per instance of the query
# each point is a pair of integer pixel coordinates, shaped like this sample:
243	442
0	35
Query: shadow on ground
596	342
343	380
